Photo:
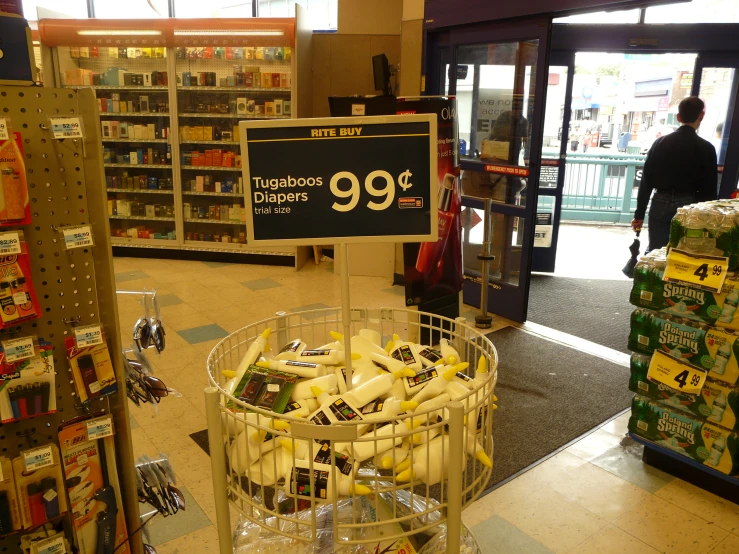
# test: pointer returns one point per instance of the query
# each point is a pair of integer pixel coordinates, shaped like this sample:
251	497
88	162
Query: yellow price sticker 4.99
676	374
706	272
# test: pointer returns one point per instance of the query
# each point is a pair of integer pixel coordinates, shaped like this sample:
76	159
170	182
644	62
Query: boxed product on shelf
124	181
717	402
702	441
143	232
130	208
116	52
27	385
710	349
211	158
138	104
125	129
139	156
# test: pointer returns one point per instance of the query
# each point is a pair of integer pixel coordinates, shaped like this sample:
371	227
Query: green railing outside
598	187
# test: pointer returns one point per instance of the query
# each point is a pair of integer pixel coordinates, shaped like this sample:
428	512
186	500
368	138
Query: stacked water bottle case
697	327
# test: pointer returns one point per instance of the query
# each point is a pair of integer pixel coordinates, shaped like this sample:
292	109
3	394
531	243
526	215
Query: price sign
18	349
351	179
676	374
77	237
99	427
88	336
10	243
65	127
38	458
52	545
4	133
706	272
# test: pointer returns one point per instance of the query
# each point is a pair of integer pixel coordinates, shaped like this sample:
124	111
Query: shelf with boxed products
210	168
141	217
198	88
216	221
133	114
205	193
214	142
121	87
143	166
141	191
137	141
234	116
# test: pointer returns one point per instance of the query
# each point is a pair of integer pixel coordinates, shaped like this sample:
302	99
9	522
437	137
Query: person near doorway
586	141
681	169
574	140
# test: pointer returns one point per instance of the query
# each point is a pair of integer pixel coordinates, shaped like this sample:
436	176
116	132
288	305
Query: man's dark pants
663	209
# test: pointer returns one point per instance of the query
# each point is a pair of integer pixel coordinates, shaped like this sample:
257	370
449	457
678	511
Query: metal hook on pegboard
72	320
27	435
85	407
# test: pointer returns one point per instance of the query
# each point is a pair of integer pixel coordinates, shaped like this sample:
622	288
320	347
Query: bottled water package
652	292
717	403
713	350
702	441
710	228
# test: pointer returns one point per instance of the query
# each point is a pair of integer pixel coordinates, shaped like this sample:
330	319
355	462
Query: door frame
510	301
716	45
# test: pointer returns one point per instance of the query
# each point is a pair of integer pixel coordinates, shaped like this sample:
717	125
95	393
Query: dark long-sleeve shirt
681	162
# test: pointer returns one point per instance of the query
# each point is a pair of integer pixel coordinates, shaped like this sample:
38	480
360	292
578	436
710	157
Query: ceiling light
118	32
254	33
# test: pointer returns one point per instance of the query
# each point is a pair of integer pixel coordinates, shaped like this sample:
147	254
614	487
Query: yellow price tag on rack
676	374
706	272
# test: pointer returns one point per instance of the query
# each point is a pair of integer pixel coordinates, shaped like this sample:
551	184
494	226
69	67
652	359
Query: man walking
681	168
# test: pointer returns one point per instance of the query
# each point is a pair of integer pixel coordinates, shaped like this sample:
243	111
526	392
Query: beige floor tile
553	520
204	541
730	545
618	426
669	528
702	503
594	445
477	513
188	322
170	409
202	492
598	491
612	540
175	434
142	444
190	463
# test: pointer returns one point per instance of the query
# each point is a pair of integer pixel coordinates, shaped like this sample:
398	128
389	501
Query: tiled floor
595	497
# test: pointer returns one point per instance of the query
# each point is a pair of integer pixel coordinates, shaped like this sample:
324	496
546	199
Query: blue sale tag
65	127
18	349
88	336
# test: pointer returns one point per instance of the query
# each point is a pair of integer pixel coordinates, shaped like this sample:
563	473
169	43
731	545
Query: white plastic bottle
430	356
319	484
406	353
451	356
324	356
718	408
722	356
371	335
245	451
301	408
302	389
290	350
425	435
272	467
475	449
379	440
437	385
430	462
415	384
301	369
481	375
252	353
391	458
717	450
385	362
730	303
439	402
383	410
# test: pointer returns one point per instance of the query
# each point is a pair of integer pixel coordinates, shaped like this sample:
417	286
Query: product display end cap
407	475
408	405
484	459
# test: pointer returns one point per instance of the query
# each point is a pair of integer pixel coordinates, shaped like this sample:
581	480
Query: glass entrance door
716	83
498	74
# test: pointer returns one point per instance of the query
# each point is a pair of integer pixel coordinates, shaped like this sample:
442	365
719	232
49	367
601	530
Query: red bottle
430	254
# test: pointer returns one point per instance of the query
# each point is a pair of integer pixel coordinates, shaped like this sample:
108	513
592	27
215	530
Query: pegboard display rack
195	123
74	287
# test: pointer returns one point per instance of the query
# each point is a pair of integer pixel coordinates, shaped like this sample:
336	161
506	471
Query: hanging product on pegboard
67	479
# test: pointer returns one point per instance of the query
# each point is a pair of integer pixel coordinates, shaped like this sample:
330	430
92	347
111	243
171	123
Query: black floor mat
593	309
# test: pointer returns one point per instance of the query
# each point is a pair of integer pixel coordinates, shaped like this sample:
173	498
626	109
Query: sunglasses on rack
149	330
143	388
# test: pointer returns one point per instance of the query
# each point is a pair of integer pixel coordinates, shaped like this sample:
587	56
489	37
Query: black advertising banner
335	180
433	270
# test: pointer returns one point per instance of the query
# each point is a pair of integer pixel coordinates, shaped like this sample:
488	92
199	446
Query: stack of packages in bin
388	382
698	327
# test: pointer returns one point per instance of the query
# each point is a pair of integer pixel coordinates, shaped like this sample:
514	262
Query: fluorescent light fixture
118	32
214	33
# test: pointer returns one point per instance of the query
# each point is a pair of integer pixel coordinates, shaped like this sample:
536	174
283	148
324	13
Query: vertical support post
218	464
484	321
454	482
460	337
346	313
625	215
281	318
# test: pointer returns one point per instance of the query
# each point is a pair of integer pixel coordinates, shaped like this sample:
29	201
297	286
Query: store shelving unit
194	108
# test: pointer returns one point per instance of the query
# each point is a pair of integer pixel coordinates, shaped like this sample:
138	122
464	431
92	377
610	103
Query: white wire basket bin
326	458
